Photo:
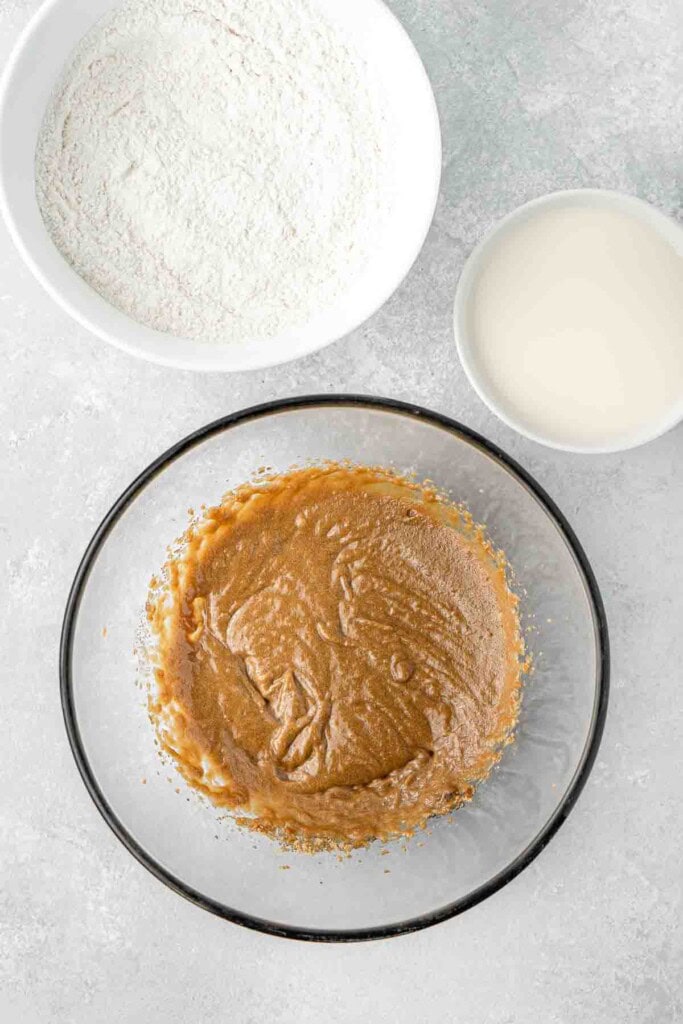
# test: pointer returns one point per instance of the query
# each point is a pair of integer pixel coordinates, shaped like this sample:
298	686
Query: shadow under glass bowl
461	859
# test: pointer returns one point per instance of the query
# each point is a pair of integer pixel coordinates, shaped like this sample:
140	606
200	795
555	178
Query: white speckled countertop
534	95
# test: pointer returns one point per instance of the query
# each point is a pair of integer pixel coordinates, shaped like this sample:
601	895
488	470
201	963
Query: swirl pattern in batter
338	655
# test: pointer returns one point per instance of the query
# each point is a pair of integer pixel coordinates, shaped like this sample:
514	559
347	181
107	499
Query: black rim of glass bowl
323	935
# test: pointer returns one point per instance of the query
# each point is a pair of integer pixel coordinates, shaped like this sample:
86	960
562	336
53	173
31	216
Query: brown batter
338	655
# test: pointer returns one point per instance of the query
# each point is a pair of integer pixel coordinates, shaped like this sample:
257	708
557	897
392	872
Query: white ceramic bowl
466	345
38	59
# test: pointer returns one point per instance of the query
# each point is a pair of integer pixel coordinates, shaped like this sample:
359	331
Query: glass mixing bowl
459	859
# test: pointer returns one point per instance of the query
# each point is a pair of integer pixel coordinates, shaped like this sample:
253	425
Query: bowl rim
585	764
651	215
218	358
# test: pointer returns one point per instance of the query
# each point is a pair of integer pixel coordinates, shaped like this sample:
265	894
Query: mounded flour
216	169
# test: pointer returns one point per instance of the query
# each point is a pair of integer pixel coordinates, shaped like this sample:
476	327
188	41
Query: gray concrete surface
533	96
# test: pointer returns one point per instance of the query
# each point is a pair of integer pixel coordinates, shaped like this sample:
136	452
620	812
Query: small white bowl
466	345
39	57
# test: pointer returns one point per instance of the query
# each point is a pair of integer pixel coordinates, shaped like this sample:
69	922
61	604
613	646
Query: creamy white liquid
576	321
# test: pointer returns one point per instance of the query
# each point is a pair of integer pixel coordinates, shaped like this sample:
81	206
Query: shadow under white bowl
36	63
466	344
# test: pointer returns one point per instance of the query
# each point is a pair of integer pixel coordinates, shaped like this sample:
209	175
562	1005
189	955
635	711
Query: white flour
216	169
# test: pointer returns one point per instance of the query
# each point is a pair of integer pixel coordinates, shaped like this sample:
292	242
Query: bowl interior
28	82
459	858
